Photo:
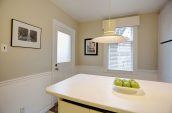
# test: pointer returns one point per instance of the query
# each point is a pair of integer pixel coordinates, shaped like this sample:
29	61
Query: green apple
135	84
124	80
118	82
126	83
117	78
131	80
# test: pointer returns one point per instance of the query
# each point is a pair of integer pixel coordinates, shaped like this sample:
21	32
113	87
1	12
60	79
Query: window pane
121	55
63	47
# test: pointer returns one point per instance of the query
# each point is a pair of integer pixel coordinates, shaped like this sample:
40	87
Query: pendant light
109	32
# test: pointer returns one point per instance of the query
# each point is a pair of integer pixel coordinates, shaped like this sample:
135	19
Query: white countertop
97	91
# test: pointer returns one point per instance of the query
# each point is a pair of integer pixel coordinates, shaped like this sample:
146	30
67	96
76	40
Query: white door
63	58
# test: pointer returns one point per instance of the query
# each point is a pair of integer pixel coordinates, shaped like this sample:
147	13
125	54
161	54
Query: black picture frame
95	46
14	37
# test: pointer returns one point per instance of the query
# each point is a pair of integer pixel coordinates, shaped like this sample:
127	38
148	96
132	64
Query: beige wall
147	42
89	30
24	61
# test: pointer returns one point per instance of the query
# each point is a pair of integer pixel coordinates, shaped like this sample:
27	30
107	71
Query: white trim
24	78
135	56
99	70
48	107
44	110
128	21
123	22
19	87
135	48
59	24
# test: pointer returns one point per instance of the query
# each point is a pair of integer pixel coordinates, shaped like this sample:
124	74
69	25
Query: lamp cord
109	3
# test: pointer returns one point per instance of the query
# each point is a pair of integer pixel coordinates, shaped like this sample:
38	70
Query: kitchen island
85	93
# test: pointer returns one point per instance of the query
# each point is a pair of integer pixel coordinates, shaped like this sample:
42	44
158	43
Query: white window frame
69	60
59	24
106	55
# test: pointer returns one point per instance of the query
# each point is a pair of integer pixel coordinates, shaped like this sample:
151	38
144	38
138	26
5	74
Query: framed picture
90	48
25	35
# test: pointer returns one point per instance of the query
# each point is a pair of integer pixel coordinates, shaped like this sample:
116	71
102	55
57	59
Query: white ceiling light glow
109	32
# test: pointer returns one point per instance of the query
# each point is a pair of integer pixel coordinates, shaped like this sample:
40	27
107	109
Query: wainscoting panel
139	74
26	94
29	92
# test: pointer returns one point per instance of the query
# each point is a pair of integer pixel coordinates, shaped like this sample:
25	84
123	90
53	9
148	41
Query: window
120	56
63	47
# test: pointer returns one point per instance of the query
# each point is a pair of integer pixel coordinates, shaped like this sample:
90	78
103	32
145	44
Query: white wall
28	92
165	50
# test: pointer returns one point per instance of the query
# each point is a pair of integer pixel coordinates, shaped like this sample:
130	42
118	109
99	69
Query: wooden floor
54	109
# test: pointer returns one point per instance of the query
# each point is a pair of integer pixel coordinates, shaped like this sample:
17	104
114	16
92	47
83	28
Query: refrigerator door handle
166	41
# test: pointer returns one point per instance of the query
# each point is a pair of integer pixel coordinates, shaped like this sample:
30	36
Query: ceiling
89	10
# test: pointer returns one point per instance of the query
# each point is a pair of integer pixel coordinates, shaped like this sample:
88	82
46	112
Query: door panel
65	67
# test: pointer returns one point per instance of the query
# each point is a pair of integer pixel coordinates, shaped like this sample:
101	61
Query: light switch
3	47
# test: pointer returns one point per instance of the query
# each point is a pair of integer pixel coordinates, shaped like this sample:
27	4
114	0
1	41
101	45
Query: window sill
120	72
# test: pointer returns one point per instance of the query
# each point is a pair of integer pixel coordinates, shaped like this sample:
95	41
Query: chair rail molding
138	74
26	92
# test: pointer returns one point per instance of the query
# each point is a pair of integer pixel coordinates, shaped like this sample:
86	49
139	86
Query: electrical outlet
22	110
3	47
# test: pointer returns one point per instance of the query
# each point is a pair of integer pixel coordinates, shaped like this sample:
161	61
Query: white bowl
125	89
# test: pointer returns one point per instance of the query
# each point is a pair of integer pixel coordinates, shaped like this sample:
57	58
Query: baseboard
44	110
49	106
